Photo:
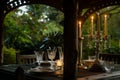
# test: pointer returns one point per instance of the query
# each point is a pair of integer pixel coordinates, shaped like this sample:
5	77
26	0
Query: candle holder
97	66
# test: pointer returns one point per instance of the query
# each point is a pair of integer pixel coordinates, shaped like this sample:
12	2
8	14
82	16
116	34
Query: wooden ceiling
90	5
55	3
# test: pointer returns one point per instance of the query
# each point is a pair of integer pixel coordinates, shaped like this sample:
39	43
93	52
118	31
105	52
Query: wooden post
70	38
1	36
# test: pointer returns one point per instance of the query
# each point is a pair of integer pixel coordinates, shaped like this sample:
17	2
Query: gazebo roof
56	3
90	5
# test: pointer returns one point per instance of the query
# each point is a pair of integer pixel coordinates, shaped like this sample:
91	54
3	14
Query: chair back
110	57
26	59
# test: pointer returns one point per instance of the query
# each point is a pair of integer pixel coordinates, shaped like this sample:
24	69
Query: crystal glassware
51	56
39	56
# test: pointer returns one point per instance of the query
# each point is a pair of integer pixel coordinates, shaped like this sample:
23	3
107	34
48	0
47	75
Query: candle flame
92	17
105	15
80	22
79	27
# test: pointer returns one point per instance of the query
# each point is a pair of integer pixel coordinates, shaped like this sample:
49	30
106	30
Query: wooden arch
10	5
97	6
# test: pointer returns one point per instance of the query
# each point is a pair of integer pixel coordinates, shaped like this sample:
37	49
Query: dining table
35	72
31	72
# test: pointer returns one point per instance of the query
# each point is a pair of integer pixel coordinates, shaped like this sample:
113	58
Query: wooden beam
70	47
1	36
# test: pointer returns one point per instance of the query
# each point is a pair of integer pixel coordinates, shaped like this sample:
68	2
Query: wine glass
51	53
39	56
51	56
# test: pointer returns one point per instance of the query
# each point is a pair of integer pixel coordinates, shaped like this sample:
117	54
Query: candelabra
97	66
97	39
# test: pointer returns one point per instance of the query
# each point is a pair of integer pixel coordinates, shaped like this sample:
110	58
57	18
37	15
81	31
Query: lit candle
80	33
105	25
80	41
92	24
59	63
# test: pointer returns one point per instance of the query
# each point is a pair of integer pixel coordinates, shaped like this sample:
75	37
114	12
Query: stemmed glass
51	56
39	56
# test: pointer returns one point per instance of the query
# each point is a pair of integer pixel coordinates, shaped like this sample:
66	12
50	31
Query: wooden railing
110	57
26	59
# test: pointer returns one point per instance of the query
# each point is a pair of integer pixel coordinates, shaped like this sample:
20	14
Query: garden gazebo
73	12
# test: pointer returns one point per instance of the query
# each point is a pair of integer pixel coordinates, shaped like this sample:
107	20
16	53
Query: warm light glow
59	63
105	15
92	17
80	23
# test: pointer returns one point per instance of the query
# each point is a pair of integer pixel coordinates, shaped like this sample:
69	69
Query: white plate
38	70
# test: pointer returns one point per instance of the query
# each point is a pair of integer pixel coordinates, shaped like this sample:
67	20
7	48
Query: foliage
9	55
26	31
114	30
15	36
51	27
113	50
54	39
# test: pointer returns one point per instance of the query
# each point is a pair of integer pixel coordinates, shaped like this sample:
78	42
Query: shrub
9	55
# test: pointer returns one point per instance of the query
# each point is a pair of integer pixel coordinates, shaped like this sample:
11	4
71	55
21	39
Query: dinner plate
40	70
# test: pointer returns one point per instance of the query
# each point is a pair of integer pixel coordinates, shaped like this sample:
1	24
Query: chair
19	74
26	59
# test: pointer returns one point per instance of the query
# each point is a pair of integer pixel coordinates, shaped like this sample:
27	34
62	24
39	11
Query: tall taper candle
80	40
80	31
91	27
105	25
